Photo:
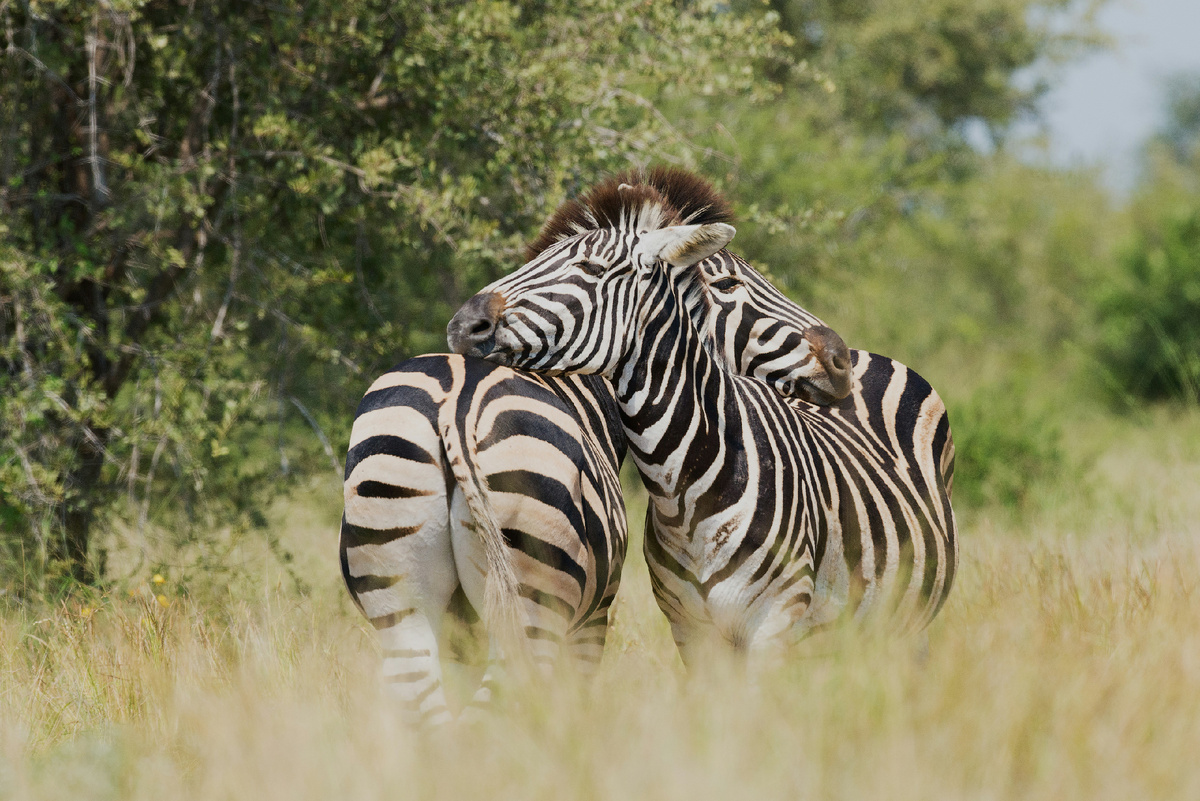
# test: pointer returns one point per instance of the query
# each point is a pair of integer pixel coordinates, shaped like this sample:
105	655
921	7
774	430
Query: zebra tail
501	598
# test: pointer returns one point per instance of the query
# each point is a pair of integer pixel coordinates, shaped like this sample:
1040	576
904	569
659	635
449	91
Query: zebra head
758	331
564	311
575	305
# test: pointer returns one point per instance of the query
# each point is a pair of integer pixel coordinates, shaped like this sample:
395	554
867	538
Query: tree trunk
83	482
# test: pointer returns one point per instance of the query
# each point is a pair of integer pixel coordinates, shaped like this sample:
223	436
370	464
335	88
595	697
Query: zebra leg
411	669
586	644
678	601
402	577
404	588
488	692
543	627
471	566
921	648
585	647
695	645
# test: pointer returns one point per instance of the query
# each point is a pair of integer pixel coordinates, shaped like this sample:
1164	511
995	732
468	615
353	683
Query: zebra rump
481	492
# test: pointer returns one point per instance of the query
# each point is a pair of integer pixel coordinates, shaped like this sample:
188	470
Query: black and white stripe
482	490
770	516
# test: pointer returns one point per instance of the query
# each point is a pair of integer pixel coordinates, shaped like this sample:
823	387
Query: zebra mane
646	200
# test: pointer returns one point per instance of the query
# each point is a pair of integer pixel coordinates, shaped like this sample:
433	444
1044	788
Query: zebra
732	323
477	489
770	517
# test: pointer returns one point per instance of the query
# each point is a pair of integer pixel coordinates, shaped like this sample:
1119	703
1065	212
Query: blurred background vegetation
220	220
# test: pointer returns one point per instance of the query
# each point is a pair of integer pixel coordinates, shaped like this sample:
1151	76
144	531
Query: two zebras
792	482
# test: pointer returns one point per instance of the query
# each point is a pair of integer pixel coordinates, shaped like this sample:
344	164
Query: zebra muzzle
472	330
836	378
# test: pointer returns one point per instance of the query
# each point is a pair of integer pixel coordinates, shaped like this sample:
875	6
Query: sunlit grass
1065	665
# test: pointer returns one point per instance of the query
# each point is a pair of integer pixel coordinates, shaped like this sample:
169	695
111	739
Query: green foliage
1005	448
1148	303
223	218
1181	134
1150	312
923	67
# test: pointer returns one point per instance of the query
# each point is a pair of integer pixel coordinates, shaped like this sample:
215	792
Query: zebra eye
726	284
591	268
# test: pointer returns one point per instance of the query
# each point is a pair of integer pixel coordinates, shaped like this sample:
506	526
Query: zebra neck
672	393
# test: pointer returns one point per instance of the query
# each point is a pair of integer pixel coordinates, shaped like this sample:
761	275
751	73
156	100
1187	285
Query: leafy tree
1148	304
829	180
1181	134
924	66
222	218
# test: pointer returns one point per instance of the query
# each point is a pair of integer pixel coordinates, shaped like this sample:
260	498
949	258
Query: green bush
1150	313
1004	448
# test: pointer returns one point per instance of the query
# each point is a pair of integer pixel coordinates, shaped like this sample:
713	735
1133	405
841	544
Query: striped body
442	448
845	513
770	516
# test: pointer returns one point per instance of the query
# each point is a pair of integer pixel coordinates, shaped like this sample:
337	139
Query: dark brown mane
684	198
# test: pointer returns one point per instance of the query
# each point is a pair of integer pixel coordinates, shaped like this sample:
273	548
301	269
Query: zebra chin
821	393
488	350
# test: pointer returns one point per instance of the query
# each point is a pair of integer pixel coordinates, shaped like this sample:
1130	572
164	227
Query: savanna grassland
1066	664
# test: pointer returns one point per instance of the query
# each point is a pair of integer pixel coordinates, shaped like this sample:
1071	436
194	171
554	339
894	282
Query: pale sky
1104	107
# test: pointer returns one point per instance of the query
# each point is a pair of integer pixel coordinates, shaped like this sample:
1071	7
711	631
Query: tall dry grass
1065	665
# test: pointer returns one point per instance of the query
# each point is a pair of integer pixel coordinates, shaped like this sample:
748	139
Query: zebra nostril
472	330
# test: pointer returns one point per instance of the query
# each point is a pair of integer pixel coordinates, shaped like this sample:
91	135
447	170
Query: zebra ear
684	245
